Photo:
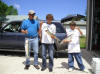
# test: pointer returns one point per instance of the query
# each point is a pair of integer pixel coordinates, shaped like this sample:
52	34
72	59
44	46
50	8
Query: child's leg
50	51
79	60
70	60
44	49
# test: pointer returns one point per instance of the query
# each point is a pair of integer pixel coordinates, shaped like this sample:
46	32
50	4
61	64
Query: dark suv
12	38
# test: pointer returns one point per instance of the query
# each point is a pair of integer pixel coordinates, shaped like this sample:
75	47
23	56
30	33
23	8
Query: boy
74	47
47	42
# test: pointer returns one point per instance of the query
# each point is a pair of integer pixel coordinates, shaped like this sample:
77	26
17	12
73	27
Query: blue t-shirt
32	26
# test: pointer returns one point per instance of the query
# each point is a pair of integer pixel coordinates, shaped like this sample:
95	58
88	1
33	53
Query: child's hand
67	41
79	30
77	27
52	36
41	22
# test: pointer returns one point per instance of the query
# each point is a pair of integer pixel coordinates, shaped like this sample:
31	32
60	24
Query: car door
10	34
20	37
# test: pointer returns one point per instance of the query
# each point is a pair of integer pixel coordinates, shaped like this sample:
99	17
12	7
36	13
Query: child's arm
65	40
79	30
40	30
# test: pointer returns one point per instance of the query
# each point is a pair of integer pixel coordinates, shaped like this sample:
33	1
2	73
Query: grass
83	42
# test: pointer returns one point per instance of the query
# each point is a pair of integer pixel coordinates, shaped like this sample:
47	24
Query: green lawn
83	42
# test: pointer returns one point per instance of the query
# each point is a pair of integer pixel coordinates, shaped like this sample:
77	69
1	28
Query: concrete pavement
15	65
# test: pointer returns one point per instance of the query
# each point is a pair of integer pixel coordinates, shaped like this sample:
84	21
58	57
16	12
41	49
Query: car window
12	27
59	28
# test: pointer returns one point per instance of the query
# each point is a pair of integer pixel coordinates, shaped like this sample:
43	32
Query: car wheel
40	52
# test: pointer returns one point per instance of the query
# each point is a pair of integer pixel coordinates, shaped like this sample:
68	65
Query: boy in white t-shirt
74	47
47	42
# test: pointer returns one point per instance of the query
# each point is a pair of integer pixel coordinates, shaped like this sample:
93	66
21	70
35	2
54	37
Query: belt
31	37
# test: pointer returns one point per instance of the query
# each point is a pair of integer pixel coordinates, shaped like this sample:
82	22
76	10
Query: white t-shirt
74	45
45	37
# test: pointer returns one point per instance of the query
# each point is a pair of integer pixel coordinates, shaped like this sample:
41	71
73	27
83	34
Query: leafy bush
83	42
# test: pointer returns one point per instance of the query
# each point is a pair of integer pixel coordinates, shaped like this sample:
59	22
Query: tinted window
12	27
59	28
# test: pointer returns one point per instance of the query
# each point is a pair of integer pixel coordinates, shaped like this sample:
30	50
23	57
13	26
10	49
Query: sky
58	8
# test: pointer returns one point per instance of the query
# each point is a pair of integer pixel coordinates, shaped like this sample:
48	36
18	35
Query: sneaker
70	69
26	67
50	70
85	70
36	66
43	69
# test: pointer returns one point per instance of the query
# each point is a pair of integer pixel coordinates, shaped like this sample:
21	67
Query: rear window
59	28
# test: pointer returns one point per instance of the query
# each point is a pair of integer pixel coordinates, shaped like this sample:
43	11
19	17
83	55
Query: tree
6	10
3	9
11	11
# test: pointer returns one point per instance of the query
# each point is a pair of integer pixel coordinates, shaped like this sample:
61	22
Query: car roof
54	22
20	21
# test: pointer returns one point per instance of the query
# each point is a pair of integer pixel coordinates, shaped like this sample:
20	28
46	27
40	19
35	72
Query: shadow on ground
64	65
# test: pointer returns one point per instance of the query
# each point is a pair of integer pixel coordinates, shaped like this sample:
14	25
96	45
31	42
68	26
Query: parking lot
10	64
